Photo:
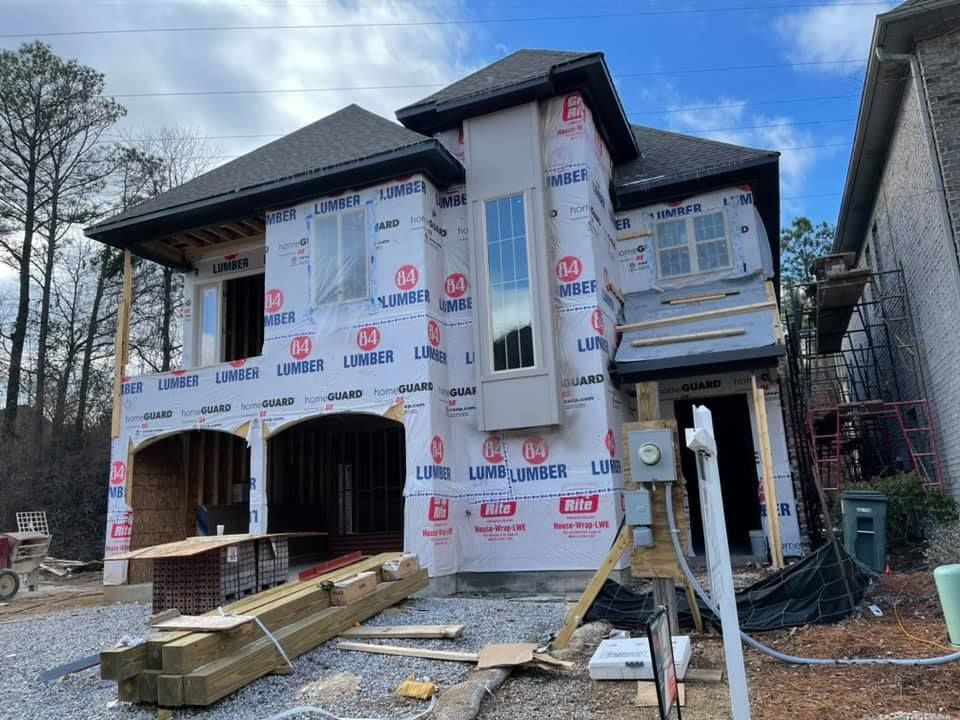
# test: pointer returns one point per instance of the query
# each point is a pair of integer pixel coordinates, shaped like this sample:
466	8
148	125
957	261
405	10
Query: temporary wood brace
700	298
692	317
769	483
121	343
689	337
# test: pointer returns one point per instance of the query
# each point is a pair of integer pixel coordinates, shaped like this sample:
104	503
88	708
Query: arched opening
186	484
342	475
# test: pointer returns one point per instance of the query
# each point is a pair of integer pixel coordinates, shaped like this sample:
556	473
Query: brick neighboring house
901	203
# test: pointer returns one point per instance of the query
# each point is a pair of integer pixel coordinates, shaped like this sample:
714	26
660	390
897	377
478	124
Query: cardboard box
403	567
352	589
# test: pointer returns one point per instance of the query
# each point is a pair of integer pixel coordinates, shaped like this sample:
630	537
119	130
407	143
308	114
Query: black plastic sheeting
810	591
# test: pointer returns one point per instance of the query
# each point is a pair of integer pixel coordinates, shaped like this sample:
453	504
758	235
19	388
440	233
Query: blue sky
806	110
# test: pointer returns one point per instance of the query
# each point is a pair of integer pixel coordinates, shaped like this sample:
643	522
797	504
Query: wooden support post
769	483
648	408
121	343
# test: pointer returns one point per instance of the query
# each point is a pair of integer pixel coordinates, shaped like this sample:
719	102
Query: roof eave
588	75
428	157
880	102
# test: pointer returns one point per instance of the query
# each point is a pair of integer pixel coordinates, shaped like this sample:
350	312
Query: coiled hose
772	652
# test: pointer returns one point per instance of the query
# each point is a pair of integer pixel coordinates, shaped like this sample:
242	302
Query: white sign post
701	440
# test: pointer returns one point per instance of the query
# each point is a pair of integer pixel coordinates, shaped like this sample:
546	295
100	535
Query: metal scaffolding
858	404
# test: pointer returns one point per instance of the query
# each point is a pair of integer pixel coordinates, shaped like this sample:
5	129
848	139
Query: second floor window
692	245
511	302
338	258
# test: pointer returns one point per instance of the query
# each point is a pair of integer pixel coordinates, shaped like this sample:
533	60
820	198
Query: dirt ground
54	595
777	690
781	691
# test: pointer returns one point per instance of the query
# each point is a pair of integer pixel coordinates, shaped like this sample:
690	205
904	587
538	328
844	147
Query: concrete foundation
138	593
561	582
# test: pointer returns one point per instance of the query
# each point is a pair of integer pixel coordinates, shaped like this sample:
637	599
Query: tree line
64	165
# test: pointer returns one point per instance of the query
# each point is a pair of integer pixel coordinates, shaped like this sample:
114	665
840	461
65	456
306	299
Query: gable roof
667	158
894	34
350	148
525	76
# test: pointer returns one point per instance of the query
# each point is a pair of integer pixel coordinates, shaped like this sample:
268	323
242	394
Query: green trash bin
865	526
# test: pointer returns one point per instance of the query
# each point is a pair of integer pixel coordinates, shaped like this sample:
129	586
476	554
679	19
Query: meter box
652	458
642	537
636	506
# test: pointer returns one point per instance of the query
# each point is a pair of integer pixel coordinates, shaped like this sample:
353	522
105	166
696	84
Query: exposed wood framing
417	652
689	337
777	321
121	345
769	483
693	317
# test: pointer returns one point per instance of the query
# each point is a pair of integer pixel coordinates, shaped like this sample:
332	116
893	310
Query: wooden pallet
198	668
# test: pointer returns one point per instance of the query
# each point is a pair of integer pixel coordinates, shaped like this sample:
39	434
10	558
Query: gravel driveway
345	683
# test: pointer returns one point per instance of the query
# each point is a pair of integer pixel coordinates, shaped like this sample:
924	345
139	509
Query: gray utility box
865	526
651	456
636	504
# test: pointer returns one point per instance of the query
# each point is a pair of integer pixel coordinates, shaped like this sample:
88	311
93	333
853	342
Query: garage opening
184	485
341	475
738	470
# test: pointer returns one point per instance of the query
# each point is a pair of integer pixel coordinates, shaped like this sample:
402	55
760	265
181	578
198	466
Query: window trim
198	288
692	245
537	366
366	258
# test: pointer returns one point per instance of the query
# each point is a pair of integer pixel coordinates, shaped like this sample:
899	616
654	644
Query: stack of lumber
198	668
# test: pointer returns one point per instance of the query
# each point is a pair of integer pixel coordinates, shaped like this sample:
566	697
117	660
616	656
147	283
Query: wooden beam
576	614
217	679
693	317
121	343
121	663
690	337
769	483
426	653
700	298
414	632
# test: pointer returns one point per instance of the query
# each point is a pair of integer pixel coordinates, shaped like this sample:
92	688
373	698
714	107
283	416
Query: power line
317	3
785	101
772	125
432	23
274	91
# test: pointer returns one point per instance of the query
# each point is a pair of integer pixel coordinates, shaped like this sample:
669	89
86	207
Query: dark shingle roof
515	69
346	136
668	157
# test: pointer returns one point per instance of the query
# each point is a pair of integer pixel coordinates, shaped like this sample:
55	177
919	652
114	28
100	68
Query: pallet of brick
198	668
273	562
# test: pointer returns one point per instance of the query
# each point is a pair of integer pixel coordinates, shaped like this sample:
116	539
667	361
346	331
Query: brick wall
910	233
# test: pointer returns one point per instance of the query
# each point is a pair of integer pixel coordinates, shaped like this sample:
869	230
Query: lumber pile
172	669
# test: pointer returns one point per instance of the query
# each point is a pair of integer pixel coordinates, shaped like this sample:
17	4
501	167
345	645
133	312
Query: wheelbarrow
21	554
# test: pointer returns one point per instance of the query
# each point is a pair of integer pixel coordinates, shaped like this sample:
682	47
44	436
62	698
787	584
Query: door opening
738	469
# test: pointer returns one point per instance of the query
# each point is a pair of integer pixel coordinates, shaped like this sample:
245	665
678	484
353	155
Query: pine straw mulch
780	691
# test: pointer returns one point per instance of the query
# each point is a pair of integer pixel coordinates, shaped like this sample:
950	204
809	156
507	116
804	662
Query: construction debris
198	668
417	690
409	632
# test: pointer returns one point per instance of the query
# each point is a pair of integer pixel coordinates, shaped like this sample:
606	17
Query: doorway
341	475
738	469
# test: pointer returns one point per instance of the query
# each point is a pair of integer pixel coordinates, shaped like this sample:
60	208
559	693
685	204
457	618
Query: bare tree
52	112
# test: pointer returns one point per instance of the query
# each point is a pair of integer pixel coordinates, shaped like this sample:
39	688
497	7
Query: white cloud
799	148
830	33
427	56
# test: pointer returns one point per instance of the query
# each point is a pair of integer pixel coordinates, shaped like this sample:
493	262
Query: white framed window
687	246
338	258
508	282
